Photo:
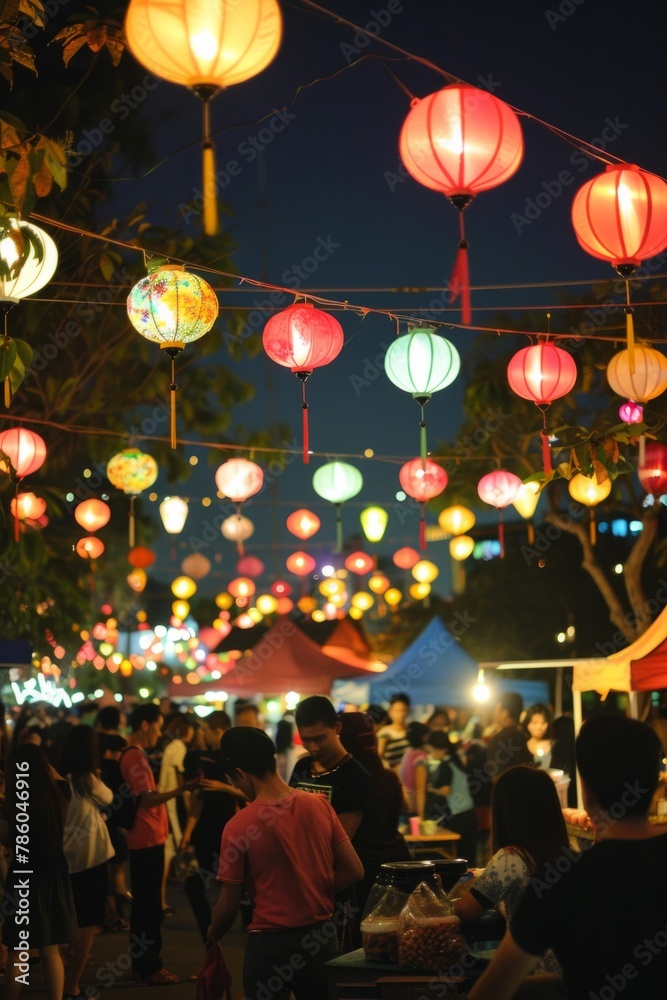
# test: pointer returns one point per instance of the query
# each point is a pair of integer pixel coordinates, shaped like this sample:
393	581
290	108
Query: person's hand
185	841
212	785
192	785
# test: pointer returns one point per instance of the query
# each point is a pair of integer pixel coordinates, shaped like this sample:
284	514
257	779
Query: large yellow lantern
362	600
206	45
587	490
331	586
456	520
526	502
132	471
425	571
183	587
378	583
461	547
266	604
374	522
393	597
181	609
418	591
224	600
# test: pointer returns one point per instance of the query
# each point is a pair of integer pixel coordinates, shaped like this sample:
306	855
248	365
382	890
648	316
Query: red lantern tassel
304	423
546	453
459	281
501	534
422	530
16	512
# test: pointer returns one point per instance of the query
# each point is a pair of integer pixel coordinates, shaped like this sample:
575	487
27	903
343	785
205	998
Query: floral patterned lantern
303	338
338	482
422	480
172	308
499	489
461	141
542	373
132	471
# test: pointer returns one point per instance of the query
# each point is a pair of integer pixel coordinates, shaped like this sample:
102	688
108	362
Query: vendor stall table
443	842
353	976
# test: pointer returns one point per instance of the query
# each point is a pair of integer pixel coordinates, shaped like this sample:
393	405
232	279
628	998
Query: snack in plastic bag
429	933
379	928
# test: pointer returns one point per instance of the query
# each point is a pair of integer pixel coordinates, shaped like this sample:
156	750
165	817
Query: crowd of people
295	831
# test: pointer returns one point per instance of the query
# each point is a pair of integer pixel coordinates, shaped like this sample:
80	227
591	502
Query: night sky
328	176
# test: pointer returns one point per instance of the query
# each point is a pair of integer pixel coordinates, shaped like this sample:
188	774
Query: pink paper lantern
360	563
631	412
250	566
406	558
423	481
280	588
239	479
499	489
25	450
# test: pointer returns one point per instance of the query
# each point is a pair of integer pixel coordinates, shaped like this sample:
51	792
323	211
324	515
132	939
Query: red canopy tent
284	659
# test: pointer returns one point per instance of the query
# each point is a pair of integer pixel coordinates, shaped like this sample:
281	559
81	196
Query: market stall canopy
284	659
641	666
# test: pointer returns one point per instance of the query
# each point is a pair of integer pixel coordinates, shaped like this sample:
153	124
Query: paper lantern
137	580
337	482
303	523
422	480
183	587
90	547
280	588
653	472
303	338
267	604
419	591
132	471
181	609
306	604
525	502
207	47
224	600
27	507
421	363
456	520
588	491
378	583
141	557
284	606
300	563
239	479
242	586
542	373
359	563
461	547
92	514
331	587
425	571
362	600
631	412
621	216
39	264
25	450
237	528
196	566
374	522
499	489
406	557
172	308
174	512
393	597
250	566
640	374
461	141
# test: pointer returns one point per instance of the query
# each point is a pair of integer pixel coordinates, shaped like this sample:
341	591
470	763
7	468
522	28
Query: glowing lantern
639	376
329	588
39	264
250	566
196	566
239	479
405	558
306	604
421	363
422	480
461	547
374	522
542	373
418	591
338	600
362	600
183	587
25	450
224	600
207	47
181	609
393	597
27	507
280	588
303	338
137	580
378	583
621	216
172	308
141	557
90	547
499	489
132	471
337	482
284	606
587	490
174	511
425	571
300	563
242	586
356	613
237	528
92	514
303	523
653	472
525	502
456	520
359	563
125	668
266	604
461	141
631	412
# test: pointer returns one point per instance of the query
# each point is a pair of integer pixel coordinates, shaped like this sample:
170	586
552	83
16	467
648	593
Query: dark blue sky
329	177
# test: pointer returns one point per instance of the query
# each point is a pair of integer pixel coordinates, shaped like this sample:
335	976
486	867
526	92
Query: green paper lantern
337	482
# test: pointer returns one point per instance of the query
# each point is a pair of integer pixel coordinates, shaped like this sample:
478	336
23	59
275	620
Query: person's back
508	747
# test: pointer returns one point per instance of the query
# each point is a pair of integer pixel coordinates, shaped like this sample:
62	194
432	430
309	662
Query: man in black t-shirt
603	912
210	809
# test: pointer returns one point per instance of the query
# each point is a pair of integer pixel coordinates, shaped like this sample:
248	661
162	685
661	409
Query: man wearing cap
290	850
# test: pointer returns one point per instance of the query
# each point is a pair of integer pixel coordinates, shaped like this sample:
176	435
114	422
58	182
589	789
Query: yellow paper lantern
181	609
356	613
374	522
461	547
183	587
330	587
419	591
137	579
266	604
587	490
425	571
174	511
362	600
456	520
125	668
224	600
306	604
338	600
643	381
527	499
393	597
318	616
378	583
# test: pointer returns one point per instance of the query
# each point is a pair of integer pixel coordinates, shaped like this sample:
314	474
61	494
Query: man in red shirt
293	856
145	840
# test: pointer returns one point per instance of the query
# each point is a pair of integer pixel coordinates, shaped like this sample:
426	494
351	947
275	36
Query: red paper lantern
25	450
653	472
280	588
422	481
499	489
303	338
27	507
92	514
284	606
460	141
303	523
542	373
360	563
300	563
406	558
90	547
250	566
141	557
242	587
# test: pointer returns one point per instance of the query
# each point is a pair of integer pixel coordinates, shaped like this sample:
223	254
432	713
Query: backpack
123	809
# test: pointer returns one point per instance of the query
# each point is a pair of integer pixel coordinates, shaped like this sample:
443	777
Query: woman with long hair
527	831
31	779
87	844
537	723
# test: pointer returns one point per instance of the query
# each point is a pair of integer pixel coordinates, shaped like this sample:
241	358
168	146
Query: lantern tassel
8	393
339	528
422	438
592	530
546	452
422	529
459	281
209	186
629	329
172	404
501	534
16	512
239	544
642	450
131	526
531	533
305	429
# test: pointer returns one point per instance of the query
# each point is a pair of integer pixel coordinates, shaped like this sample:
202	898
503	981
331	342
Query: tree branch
634	564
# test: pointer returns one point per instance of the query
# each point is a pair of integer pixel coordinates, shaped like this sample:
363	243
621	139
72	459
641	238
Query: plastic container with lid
379	925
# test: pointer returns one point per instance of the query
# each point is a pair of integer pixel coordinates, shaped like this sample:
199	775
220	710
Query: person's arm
100	792
194	813
507	971
382	745
351	822
421	781
149	800
468	909
212	785
348	869
225	910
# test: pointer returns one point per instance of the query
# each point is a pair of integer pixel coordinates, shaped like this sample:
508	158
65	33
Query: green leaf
8	355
